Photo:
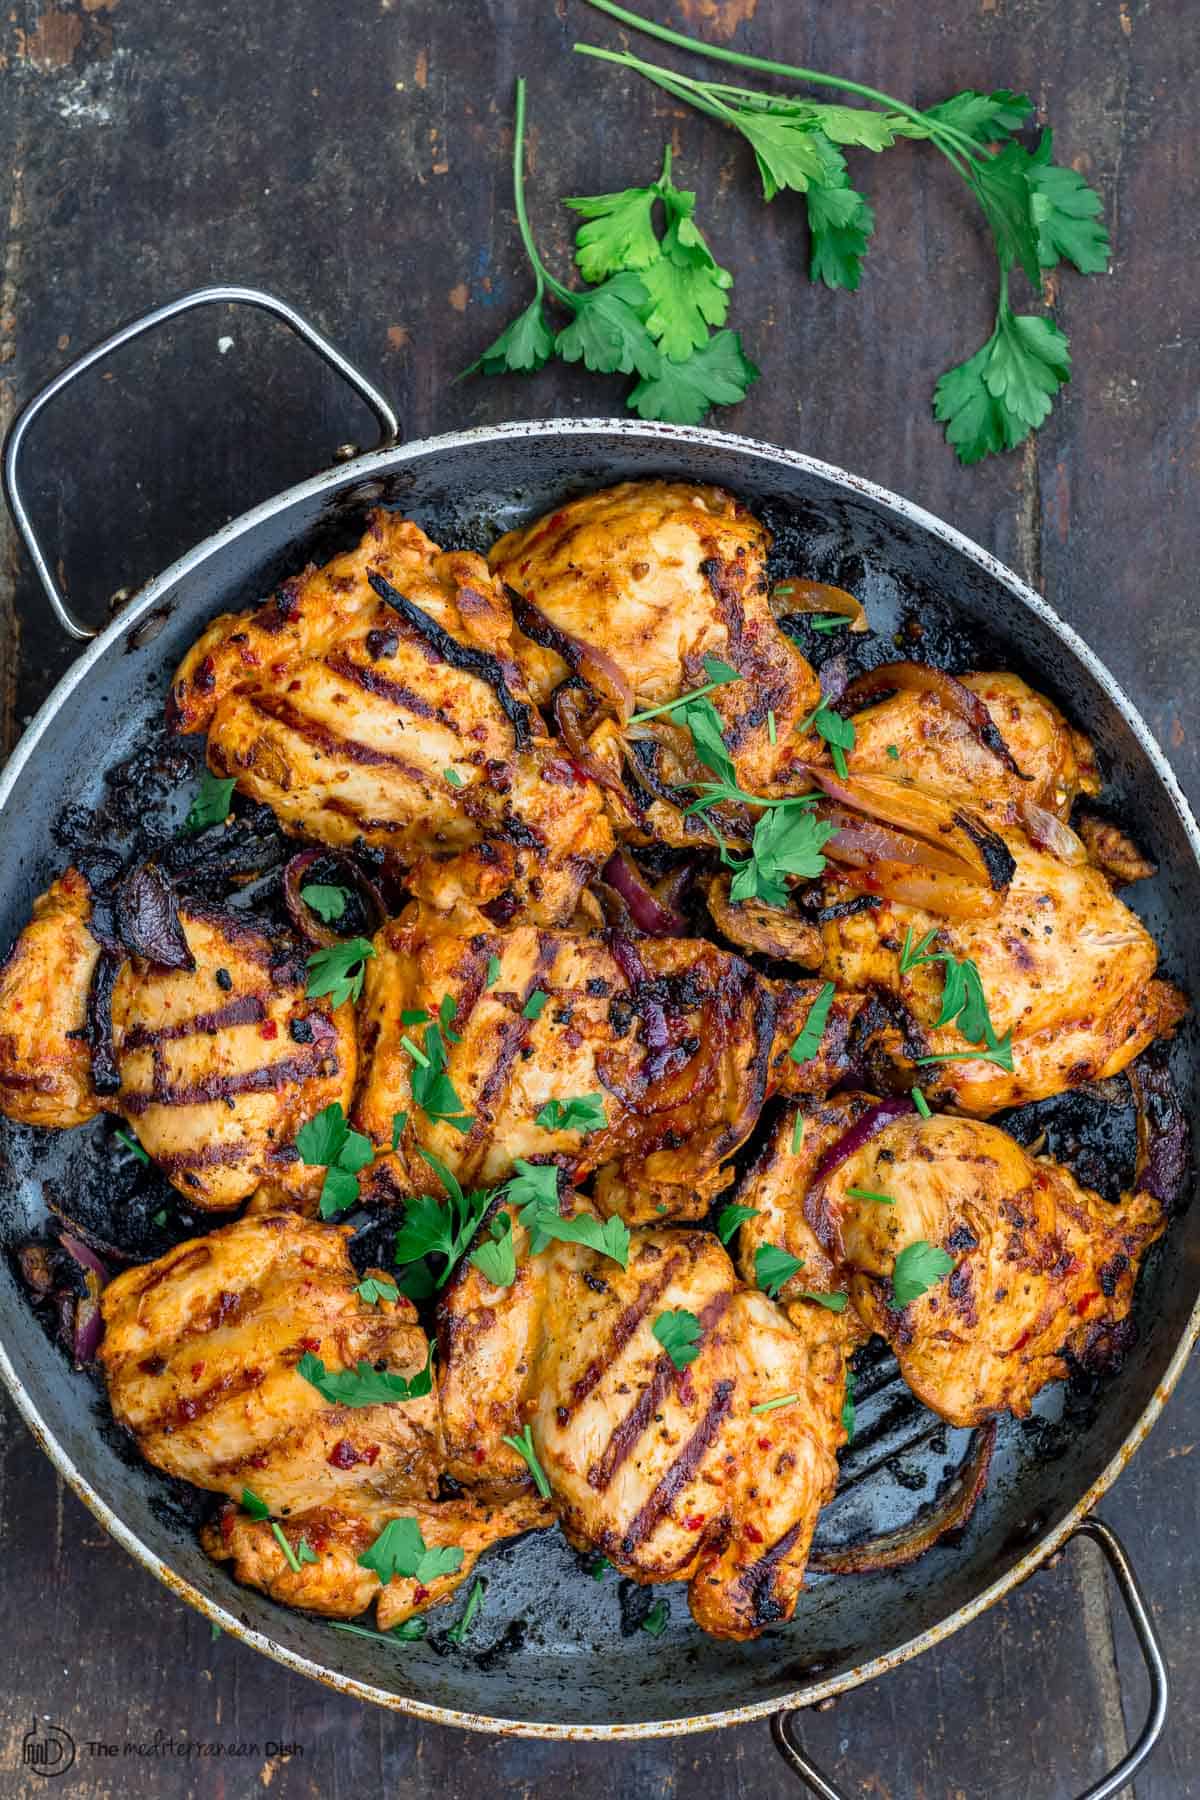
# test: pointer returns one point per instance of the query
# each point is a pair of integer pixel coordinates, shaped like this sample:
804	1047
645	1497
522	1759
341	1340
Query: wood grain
355	158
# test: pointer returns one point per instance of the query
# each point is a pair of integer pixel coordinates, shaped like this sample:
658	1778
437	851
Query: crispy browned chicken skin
680	1040
1043	1269
377	699
667	1471
218	1066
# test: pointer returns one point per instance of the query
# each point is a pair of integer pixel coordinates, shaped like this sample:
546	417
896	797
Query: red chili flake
764	1443
343	1455
694	1523
259	1461
197	1371
1021	1341
227	1518
480	1456
310	1343
1081	1306
753	1533
369	1453
268	1029
420	1593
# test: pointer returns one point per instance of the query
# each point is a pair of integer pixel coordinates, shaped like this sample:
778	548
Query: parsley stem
542	274
653	712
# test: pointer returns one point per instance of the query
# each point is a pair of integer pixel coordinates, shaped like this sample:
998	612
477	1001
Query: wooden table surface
354	158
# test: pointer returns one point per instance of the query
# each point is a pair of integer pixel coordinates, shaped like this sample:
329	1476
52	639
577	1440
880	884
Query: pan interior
552	1645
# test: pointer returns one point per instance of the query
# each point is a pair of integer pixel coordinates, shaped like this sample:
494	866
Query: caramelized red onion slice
1046	831
647	911
593	665
918	812
798	596
861	843
918	678
949	1512
88	1324
147	918
867	1126
568	706
310	927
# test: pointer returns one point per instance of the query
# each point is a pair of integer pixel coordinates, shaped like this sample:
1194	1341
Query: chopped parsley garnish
130	1143
893	752
338	970
772	733
523	1445
848	1407
964	1004
541	1218
400	1550
679	1332
327	1141
584	1113
808	1043
857	1193
414	1015
454	778
766	1406
252	1504
837	733
921	1103
719	673
731	1217
211	804
600	1568
458	1632
434	1227
374	1289
798	1135
364	1386
497	1260
918	1267
429	1083
655	1621
829	622
773	1267
408	1630
532	1008
327	901
835	1302
493	971
303	1553
399	1121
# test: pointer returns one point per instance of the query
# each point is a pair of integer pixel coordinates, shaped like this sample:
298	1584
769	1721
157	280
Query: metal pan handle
1139	1616
389	425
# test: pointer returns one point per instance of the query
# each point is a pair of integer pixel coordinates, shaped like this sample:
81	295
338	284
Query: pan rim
347	475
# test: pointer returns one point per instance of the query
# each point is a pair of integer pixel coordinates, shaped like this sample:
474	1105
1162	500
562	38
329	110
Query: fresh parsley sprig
774	1267
211	803
524	1447
338	970
429	1082
444	1228
363	1385
1039	213
964	1004
327	1141
401	1550
650	311
679	1332
918	1267
583	1113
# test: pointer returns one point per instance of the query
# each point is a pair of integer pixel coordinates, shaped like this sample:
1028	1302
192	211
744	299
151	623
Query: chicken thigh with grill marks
673	1042
1043	1269
668	1471
215	1065
201	1353
377	699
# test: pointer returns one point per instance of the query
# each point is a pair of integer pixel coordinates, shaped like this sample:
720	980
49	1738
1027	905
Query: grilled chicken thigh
667	1471
1043	1270
215	1066
1064	964
45	1060
377	699
647	579
676	1040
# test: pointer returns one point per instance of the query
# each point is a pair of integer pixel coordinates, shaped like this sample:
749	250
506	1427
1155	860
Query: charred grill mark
459	656
682	1469
765	1014
627	1323
232	1384
331	743
758	1581
626	1434
384	688
210	1156
240	931
248	1009
513	1039
288	1072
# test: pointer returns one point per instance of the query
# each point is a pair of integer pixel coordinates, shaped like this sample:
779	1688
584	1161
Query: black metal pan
561	1655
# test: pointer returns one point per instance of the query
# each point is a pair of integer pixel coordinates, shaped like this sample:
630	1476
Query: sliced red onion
869	1125
798	596
84	1256
87	1322
567	706
312	929
919	678
1048	832
587	660
647	911
147	918
949	1512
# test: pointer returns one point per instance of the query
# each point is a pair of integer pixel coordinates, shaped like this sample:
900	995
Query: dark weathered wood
354	157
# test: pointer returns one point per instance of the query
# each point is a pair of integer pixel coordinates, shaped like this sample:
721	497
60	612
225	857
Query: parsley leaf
399	1121
688	291
835	1302
718	375
458	1632
963	1002
212	801
679	1332
773	1267
440	1228
584	1113
918	1267
619	233
731	1217
497	1260
338	969
493	971
430	1085
532	1008
655	1621
607	331
327	1139
848	1407
985	118
258	1509
328	902
401	1550
808	1043
697	714
131	1144
523	1446
363	1385
787	841
1002	393
859	1193
835	731
522	347
1066	214
541	1218
372	1290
